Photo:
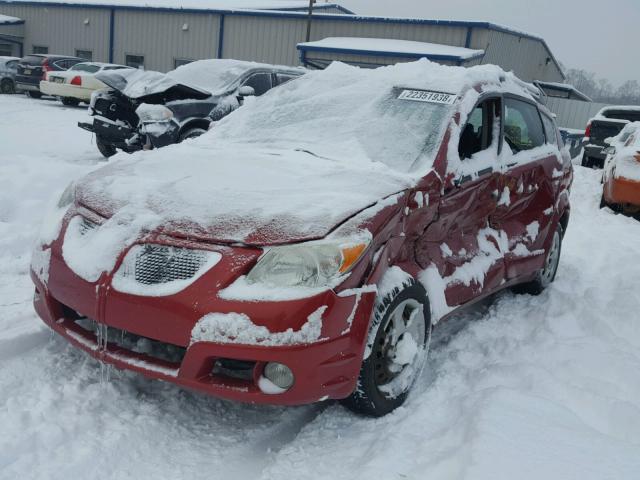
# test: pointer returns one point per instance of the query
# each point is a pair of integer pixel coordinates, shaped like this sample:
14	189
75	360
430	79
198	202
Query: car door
532	163
460	242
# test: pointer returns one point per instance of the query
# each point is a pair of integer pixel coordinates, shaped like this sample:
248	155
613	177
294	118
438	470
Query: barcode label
427	96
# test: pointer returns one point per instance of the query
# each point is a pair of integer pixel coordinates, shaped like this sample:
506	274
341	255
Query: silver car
8	70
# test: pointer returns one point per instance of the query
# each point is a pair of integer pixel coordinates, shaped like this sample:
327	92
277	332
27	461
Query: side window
284	77
477	135
260	82
550	130
522	126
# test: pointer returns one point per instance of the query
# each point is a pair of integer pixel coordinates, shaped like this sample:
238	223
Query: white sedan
76	84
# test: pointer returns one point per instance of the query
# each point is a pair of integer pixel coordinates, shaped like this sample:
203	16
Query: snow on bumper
324	351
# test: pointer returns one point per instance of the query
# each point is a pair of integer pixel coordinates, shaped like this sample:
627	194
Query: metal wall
162	37
573	113
63	29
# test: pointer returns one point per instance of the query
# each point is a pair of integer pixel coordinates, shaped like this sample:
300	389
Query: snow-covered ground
521	387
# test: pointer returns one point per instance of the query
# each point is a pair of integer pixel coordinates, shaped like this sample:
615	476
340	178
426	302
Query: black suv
609	122
34	68
146	109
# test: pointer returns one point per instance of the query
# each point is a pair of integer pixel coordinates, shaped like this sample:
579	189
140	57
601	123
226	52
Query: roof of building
196	4
390	47
7	20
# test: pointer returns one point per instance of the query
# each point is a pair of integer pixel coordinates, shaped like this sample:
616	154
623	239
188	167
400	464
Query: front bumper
620	191
65	90
327	368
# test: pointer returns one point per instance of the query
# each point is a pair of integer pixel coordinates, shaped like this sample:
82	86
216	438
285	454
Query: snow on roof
7	20
390	46
194	4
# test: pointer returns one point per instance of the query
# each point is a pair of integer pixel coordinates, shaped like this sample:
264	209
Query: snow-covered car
78	83
303	249
146	109
8	70
621	176
607	123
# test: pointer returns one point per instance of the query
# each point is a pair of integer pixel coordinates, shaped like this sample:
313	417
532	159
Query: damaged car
147	109
304	248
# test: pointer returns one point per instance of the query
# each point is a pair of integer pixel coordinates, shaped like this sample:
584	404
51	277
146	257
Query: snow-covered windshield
85	67
349	113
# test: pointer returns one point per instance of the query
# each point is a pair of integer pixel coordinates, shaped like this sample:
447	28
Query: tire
34	94
190	133
7	86
547	274
384	383
105	149
70	102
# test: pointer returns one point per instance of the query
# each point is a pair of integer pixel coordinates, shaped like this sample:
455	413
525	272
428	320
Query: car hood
137	84
234	193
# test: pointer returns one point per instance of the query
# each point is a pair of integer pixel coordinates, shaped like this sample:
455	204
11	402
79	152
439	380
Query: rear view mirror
246	91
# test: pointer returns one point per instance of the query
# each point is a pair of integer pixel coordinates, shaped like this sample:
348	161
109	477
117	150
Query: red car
304	248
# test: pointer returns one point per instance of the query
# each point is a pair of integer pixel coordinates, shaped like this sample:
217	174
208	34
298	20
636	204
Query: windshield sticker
428	96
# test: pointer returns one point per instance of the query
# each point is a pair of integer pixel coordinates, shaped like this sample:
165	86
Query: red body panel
409	234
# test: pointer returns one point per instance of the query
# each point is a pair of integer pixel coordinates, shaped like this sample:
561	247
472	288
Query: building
163	34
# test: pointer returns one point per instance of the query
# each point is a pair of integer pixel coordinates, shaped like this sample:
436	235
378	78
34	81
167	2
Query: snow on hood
624	162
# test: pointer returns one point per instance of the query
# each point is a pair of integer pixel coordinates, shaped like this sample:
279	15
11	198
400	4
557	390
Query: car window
629	115
284	77
65	64
260	82
478	133
83	67
522	126
12	65
550	130
32	60
115	67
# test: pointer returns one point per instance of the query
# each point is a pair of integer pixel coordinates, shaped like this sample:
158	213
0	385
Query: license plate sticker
428	96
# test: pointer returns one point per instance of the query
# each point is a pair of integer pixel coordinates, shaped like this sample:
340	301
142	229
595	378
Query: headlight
153	113
312	264
68	196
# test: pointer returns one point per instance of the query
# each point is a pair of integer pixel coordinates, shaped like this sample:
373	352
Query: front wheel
396	351
190	133
107	150
547	274
7	86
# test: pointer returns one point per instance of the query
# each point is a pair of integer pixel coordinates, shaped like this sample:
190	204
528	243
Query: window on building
39	49
260	82
178	62
135	61
6	50
477	135
85	54
522	126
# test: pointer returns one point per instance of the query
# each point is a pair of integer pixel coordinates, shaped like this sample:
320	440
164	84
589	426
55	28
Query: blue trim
220	35
112	26
297	14
350	51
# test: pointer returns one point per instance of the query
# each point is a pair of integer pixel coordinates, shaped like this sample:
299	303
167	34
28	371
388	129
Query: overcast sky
597	35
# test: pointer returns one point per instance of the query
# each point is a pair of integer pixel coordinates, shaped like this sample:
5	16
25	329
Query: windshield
348	114
85	67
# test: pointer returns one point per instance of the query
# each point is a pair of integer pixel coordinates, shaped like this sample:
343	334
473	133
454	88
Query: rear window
32	60
84	67
623	115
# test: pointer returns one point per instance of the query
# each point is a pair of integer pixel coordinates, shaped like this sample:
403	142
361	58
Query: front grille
152	269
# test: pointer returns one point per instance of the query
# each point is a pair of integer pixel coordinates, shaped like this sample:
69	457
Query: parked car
33	68
573	140
145	109
303	249
8	69
78	83
621	176
606	124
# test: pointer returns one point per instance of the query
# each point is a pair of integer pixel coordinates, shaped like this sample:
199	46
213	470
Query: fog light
279	374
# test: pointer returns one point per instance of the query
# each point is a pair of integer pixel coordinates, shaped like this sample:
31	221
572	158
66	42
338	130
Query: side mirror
609	151
246	91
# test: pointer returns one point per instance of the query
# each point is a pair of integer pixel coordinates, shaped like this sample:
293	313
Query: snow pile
7	20
238	328
625	162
